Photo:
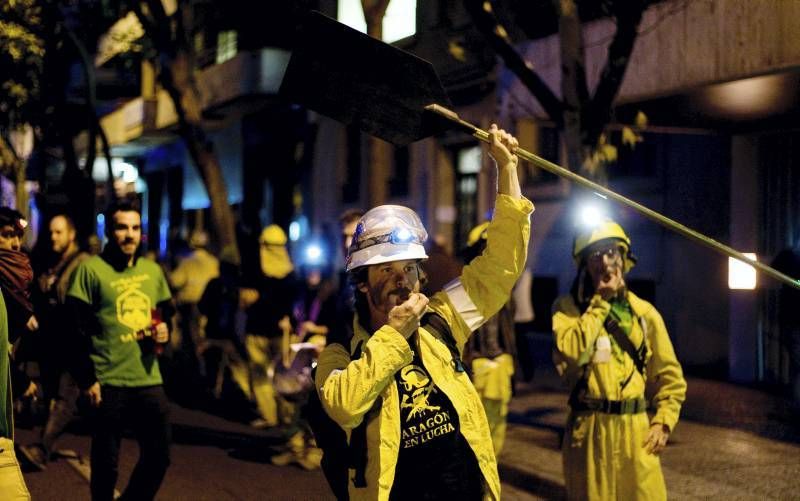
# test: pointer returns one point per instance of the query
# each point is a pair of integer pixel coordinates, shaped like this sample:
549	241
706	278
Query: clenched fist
405	317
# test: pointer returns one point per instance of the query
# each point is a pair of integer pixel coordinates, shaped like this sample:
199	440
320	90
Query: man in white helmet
609	343
415	423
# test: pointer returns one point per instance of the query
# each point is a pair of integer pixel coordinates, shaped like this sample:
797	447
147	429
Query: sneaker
283	458
307	460
35	455
261	424
311	459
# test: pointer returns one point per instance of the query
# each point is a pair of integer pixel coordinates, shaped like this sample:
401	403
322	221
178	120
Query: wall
682	44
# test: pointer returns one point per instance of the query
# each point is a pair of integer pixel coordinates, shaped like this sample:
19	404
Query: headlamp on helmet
387	233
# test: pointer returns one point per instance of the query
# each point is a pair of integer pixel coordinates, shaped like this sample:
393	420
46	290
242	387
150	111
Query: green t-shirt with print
123	302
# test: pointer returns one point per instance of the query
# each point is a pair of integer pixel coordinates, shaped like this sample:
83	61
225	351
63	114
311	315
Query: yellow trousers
604	458
12	484
254	379
492	379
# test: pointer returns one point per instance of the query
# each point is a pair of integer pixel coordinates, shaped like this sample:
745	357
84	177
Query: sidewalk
732	442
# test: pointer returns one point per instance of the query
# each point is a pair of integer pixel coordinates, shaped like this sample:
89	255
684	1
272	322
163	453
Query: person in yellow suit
491	352
609	346
415	424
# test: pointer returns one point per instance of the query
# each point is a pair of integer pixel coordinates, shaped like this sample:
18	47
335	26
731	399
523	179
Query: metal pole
649	213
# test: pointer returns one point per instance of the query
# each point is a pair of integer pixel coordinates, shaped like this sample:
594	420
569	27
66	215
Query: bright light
590	216
402	235
294	231
469	160
125	171
748	99
740	274
313	253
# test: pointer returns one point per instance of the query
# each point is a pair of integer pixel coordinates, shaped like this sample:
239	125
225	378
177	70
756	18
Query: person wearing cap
16	282
188	281
268	317
609	346
414	422
491	352
15	277
16	273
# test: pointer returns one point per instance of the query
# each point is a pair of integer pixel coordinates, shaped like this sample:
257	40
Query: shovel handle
641	209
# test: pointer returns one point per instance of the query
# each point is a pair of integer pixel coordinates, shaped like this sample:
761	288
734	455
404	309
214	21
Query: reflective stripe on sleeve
463	304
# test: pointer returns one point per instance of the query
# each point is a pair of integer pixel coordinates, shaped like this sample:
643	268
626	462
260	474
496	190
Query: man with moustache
415	424
609	343
50	294
117	298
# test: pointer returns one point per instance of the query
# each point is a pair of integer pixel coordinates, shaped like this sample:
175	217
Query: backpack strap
577	399
438	327
624	342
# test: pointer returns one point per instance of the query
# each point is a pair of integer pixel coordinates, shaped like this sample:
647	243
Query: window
469	160
468	164
399	22
226	45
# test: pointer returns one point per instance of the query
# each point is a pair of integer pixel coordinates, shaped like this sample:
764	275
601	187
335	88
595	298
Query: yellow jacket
575	331
348	388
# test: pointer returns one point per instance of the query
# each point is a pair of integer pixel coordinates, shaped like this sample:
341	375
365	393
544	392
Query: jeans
146	411
63	411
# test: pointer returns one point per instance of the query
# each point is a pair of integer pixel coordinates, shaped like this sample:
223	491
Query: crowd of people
409	353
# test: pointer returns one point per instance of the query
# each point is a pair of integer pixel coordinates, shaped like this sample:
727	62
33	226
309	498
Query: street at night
399	250
746	449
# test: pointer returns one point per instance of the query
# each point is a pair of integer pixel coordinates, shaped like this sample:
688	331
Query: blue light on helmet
402	236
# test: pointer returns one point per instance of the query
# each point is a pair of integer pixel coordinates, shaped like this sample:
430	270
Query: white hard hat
384	234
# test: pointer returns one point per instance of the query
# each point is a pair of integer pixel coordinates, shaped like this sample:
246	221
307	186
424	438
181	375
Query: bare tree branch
598	112
488	24
374	11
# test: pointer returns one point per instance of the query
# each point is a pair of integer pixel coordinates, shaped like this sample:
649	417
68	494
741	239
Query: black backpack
337	455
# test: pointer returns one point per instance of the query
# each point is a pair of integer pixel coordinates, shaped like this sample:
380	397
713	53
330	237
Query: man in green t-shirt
122	307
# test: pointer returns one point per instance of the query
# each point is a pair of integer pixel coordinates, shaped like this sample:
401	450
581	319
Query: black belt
628	406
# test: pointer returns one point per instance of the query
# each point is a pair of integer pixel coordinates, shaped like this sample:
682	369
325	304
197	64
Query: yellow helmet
606	230
273	235
477	233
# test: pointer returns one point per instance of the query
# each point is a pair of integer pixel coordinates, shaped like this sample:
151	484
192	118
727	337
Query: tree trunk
379	151
573	82
178	82
177	76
